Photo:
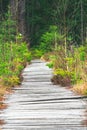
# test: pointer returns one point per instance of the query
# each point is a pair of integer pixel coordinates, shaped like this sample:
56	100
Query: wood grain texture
40	105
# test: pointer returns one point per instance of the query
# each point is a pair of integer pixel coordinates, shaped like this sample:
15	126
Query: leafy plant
50	64
11	81
14	52
70	69
48	39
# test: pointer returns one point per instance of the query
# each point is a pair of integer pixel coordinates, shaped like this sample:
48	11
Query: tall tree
34	17
18	13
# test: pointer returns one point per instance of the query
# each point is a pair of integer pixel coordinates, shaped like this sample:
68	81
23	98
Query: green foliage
47	39
70	68
38	19
7	28
50	64
62	72
42	20
51	60
15	60
67	14
47	42
82	52
36	52
14	53
11	81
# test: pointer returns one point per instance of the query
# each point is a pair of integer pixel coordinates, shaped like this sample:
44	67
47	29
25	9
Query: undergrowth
69	62
15	59
14	53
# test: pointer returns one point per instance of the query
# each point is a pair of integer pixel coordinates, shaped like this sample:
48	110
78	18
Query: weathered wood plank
39	105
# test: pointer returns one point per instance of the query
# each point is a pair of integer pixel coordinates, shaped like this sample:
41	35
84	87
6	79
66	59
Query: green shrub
14	60
14	52
47	41
70	68
82	53
50	64
11	81
37	53
28	56
62	77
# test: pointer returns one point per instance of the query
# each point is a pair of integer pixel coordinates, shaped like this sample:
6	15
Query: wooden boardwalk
40	105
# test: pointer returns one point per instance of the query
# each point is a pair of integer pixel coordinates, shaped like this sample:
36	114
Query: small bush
11	80
16	56
50	64
62	77
37	53
14	52
63	81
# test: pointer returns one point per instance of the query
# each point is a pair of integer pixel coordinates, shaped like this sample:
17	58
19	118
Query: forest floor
38	104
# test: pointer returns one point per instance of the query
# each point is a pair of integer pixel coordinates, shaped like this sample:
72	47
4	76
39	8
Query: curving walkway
40	105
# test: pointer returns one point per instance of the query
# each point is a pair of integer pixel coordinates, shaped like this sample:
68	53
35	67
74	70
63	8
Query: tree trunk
18	13
82	35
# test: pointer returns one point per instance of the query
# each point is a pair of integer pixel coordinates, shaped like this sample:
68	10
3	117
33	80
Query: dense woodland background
34	17
56	29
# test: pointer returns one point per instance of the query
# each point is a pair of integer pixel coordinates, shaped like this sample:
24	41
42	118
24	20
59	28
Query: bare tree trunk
86	34
82	35
18	13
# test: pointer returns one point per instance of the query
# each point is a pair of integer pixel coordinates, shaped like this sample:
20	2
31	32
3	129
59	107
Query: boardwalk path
39	105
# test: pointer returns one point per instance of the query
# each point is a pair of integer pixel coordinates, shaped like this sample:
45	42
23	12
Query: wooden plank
39	105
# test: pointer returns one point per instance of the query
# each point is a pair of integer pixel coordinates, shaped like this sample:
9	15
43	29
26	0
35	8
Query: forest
53	30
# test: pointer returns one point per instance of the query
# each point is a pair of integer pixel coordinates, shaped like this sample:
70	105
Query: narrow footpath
39	105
